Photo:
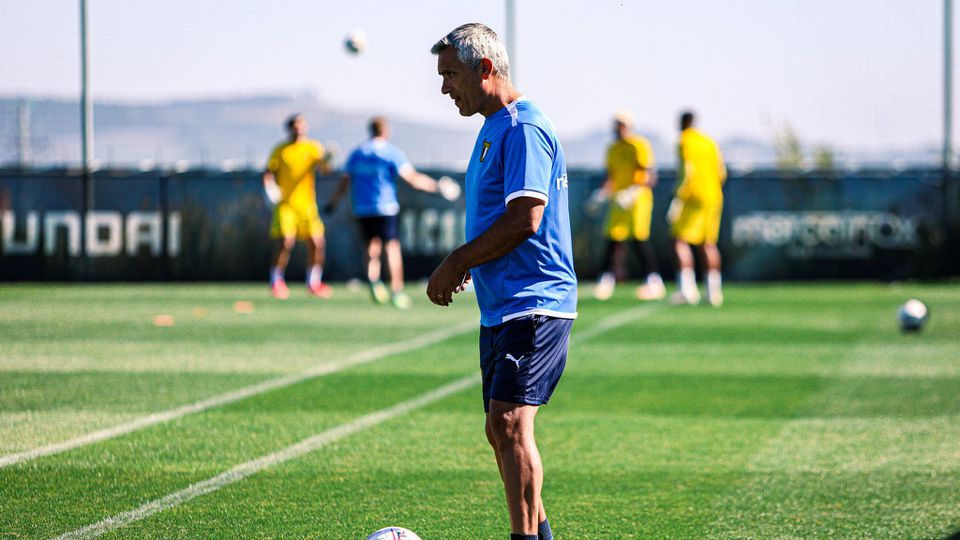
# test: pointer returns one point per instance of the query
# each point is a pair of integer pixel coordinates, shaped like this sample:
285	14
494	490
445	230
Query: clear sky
861	73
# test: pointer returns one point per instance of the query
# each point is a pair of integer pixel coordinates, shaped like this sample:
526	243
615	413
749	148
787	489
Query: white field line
320	440
254	466
363	357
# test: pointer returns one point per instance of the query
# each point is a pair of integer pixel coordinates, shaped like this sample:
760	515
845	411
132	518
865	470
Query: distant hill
239	132
233	132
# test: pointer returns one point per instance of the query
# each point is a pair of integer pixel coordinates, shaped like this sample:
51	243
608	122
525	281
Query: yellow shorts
697	225
622	224
302	222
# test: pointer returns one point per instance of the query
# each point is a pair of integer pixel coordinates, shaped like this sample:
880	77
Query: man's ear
486	68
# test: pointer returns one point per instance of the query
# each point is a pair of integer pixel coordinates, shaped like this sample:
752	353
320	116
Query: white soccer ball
393	533
355	42
912	315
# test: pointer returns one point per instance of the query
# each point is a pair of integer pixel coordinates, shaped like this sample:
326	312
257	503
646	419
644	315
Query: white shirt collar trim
512	109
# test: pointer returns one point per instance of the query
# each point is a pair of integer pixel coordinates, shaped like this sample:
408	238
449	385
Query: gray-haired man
519	255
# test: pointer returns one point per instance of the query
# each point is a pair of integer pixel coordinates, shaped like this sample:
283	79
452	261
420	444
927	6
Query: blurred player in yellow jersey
631	174
695	211
291	185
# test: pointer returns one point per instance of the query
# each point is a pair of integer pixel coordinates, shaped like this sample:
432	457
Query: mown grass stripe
254	466
362	357
613	321
320	440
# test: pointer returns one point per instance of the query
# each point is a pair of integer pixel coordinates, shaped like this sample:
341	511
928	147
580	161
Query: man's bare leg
281	252
281	256
395	264
496	452
712	257
374	249
316	255
511	430
493	444
686	277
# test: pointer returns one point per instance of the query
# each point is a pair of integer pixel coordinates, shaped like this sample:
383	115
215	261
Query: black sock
647	256
544	531
523	537
609	254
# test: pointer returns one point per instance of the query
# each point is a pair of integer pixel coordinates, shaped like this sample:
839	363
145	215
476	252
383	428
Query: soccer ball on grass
393	533
912	315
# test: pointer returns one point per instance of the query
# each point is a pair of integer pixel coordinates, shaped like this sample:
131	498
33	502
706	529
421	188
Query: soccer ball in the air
912	315
393	533
355	42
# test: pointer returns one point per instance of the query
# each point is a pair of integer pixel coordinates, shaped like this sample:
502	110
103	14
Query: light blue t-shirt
373	168
517	154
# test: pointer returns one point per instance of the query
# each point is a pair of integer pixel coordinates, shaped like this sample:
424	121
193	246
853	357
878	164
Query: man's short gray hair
474	42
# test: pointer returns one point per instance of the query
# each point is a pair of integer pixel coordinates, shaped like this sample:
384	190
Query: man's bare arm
651	176
270	187
337	194
520	221
418	180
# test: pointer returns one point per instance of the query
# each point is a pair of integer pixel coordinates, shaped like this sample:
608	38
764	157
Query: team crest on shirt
483	153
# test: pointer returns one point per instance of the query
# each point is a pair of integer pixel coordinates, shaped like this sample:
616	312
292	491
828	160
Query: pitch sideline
324	438
363	357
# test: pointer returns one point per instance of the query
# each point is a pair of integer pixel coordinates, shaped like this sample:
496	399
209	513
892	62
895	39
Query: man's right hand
447	280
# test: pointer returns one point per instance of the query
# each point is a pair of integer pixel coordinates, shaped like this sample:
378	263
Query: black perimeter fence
213	225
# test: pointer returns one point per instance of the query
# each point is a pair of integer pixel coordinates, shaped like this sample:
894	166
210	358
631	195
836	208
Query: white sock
713	281
688	283
314	275
276	274
608	278
654	280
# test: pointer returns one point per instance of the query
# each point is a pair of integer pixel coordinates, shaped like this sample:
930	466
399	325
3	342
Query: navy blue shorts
382	227
522	359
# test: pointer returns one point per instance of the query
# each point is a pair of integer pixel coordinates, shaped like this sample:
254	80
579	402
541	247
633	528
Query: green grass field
795	411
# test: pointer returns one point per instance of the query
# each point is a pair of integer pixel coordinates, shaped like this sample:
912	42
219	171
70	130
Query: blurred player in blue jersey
519	256
371	173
